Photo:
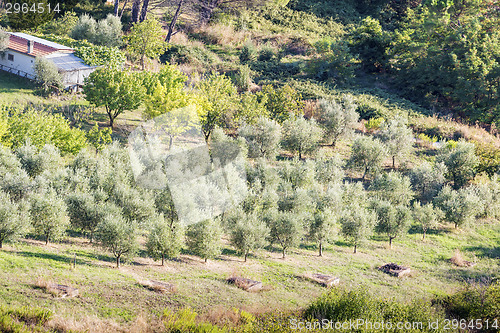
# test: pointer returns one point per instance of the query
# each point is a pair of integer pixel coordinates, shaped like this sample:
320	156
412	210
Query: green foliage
391	220
26	19
393	187
203	239
397	137
460	207
62	26
349	305
218	98
285	229
283	102
114	89
250	108
248	53
42	128
426	216
118	236
101	56
4	40
99	138
263	138
301	136
333	60
461	161
22	319
164	239
48	215
367	155
47	74
146	40
374	124
337	120
185	320
242	78
322	227
249	234
427	179
370	42
13	221
108	32
357	225
329	170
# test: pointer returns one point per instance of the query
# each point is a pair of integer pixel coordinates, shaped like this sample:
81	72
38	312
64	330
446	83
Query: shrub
333	61
427	179
248	53
105	32
460	207
282	102
101	56
374	124
266	54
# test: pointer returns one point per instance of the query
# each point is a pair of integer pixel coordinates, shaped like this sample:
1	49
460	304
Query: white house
19	58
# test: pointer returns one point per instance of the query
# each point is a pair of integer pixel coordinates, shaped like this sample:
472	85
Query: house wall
22	62
76	77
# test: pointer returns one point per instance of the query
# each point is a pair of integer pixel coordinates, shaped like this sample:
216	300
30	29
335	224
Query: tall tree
114	89
146	40
425	215
285	229
249	234
392	220
203	239
164	239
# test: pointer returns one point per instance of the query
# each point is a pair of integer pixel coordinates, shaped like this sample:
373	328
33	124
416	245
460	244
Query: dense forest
364	130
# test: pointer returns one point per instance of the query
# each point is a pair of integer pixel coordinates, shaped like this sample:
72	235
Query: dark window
10	57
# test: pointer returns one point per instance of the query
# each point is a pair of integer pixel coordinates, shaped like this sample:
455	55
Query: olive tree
367	155
165	238
48	215
249	234
397	137
301	135
263	138
4	40
356	225
393	187
391	220
461	206
203	239
13	221
322	227
117	235
47	74
426	216
337	120
285	229
428	179
461	160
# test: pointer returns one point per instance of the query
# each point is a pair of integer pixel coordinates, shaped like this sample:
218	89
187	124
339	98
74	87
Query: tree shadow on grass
417	229
54	257
469	275
488	252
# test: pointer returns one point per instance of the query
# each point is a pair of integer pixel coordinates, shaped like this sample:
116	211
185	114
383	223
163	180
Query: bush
338	120
266	54
333	61
101	56
248	53
282	102
105	32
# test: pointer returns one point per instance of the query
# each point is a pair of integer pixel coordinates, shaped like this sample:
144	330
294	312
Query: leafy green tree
282	102
165	238
393	187
17	184
108	31
62	26
332	60
459	207
329	170
301	136
99	138
118	236
428	179
165	92
370	42
285	229
297	173
48	74
356	225
13	221
397	137
391	220
426	216
322	228
217	97
337	120
263	138
116	90
146	40
367	155
48	215
4	40
249	234
461	161
26	19
203	239
85	28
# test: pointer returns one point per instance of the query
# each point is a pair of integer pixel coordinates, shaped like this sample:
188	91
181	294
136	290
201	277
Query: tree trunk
355	248
143	62
364	174
206	259
144	11
393	162
1	243
456	225
300	155
135	10
111	120
284	253
123	8
320	249
47	239
118	262
246	254
163	259
390	241
423	235
115	11
173	22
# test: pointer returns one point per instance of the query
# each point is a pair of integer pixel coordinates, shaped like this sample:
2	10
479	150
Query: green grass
118	295
14	89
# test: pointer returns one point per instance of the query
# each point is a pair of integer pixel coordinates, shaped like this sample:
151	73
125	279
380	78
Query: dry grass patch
58	290
459	261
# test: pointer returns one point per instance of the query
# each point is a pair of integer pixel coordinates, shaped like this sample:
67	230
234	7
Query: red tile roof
21	45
